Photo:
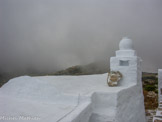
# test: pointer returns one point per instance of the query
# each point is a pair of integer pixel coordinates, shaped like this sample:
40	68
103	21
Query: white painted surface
52	98
125	53
158	115
97	101
160	84
130	106
78	98
126	44
130	99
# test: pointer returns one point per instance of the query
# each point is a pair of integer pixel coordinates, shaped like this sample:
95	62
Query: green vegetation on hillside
89	69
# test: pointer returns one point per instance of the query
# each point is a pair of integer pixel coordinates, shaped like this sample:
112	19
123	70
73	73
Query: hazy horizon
50	35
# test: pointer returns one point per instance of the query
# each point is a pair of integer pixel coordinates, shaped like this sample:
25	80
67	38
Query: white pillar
127	63
130	102
160	84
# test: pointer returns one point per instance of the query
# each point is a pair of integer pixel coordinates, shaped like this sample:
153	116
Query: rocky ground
150	114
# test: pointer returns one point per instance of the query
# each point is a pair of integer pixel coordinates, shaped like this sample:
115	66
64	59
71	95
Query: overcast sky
56	34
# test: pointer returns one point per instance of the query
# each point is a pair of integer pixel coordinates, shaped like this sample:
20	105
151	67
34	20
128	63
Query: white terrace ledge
38	97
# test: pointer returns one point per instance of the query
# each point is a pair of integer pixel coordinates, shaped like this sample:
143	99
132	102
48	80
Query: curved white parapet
86	99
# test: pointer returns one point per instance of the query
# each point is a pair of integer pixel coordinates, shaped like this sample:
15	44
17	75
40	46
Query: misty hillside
93	68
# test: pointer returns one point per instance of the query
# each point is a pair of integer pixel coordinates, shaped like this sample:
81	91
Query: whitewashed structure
160	84
129	64
78	98
158	116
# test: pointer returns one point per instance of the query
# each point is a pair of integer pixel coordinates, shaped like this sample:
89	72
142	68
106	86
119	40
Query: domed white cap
126	44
